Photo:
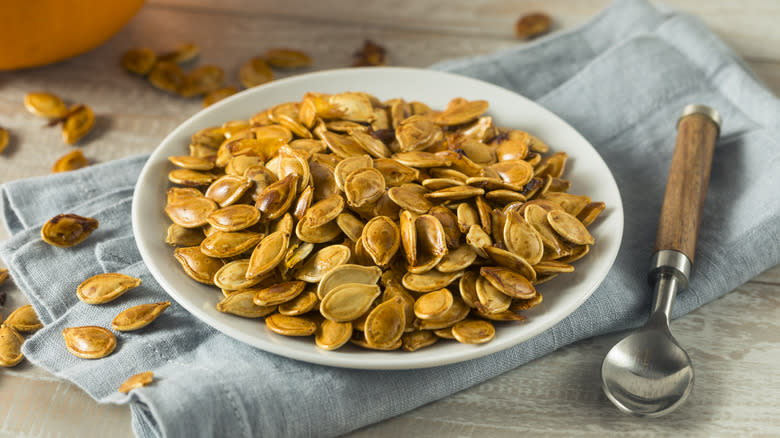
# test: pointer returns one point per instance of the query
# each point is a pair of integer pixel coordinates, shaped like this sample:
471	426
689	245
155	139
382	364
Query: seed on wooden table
139	60
10	346
45	105
4	138
166	76
218	94
89	342
182	53
255	72
136	381
371	54
287	58
202	80
66	230
24	319
531	25
104	288
138	317
79	121
71	161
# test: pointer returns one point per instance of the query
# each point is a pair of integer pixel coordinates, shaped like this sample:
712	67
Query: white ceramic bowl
585	169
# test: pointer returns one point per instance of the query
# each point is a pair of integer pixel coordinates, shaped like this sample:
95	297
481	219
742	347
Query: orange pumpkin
37	32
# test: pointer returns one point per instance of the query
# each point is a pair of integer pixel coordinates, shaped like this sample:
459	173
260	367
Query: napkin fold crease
621	80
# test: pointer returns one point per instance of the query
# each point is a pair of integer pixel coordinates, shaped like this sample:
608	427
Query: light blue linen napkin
621	80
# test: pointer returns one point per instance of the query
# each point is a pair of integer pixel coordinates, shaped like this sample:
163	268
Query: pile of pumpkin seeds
386	224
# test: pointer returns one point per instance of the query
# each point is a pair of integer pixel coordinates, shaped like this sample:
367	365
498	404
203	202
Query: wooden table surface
734	342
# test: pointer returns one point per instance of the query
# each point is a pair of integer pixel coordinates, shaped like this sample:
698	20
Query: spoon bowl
647	374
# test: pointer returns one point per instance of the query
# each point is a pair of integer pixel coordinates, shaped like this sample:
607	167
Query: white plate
586	170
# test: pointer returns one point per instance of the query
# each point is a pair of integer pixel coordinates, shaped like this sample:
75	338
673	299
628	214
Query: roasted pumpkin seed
89	342
10	346
182	53
197	265
290	325
303	303
331	335
348	301
278	293
347	273
385	323
45	105
66	230
287	58
104	288
138	317
73	160
381	239
473	331
223	244
190	212
234	217
136	381
78	122
268	254
4	139
241	303
24	319
418	339
232	276
510	283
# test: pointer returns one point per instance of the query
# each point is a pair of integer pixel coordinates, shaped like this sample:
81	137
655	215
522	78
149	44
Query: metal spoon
648	373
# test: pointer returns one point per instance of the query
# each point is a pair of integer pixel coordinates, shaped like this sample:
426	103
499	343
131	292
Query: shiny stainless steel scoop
648	373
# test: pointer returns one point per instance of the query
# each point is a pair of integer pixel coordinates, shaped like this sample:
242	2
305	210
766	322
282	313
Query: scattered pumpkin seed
136	381
89	342
66	230
138	317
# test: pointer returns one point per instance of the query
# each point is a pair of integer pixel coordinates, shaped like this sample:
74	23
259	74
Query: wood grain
686	186
734	341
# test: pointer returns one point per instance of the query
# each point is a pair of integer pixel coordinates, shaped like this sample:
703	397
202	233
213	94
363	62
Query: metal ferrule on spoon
648	373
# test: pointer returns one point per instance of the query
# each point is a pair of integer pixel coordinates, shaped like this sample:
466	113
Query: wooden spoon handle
697	130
